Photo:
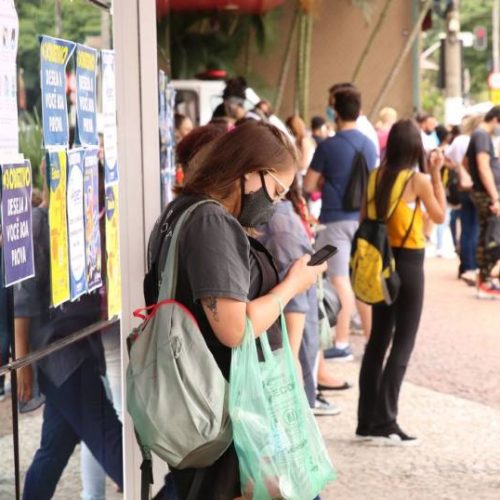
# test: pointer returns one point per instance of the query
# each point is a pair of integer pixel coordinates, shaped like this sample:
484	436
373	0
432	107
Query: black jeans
379	385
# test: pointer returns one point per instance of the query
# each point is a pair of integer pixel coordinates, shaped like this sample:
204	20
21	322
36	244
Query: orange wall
340	33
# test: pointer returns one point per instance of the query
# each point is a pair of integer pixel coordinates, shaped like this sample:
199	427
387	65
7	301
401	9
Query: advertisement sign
113	251
86	105
76	225
109	117
9	34
91	210
54	55
58	229
17	233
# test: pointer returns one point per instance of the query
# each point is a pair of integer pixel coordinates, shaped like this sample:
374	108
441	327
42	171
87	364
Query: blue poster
17	231
86	105
76	225
54	55
109	117
91	210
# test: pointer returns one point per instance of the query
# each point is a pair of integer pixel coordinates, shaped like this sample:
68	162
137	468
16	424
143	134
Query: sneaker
393	438
340	355
488	290
2	394
470	277
322	407
362	435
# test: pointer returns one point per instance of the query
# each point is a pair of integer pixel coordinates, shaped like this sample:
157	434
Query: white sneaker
396	438
323	408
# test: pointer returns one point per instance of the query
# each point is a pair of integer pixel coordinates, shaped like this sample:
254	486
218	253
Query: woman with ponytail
402	187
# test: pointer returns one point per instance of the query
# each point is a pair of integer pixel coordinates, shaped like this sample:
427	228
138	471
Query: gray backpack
176	394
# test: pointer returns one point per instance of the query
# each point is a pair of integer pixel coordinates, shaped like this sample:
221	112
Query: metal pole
453	104
496	35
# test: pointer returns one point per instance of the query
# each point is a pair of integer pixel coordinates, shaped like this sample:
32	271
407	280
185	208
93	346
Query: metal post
453	105
496	35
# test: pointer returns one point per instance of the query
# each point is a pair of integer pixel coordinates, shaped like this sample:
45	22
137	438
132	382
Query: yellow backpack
373	269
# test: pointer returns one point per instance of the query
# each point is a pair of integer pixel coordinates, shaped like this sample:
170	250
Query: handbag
329	307
281	452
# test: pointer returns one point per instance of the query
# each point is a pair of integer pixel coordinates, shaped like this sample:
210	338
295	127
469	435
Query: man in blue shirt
330	171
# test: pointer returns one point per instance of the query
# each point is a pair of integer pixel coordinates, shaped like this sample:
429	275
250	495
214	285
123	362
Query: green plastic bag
280	449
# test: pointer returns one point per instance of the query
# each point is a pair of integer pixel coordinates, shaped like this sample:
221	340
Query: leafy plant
30	141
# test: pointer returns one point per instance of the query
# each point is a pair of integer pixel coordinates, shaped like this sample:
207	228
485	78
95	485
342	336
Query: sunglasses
284	189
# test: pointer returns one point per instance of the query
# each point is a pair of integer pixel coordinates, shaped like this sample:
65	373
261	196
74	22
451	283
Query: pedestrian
286	239
329	172
319	129
76	405
305	144
400	192
428	124
481	161
183	125
224	275
467	213
386	119
363	124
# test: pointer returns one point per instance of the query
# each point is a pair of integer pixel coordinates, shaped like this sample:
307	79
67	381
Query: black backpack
453	188
355	190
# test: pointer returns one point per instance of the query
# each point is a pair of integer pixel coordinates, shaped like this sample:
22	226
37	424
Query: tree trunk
58	18
393	74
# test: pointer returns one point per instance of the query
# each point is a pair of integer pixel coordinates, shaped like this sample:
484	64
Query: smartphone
322	255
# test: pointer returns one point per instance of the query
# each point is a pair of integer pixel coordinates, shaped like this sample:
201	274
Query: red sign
242	6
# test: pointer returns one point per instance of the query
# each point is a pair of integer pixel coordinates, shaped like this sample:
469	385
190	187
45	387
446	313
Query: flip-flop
343	387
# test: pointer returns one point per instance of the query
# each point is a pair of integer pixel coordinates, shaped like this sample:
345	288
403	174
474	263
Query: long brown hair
253	146
404	151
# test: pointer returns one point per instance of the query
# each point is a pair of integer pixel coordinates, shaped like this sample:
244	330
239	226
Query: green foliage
30	141
36	17
472	13
217	39
432	97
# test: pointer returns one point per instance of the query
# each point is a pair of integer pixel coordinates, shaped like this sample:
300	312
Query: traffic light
480	38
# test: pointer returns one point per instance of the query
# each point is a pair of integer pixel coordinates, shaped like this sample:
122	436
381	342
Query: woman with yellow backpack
396	193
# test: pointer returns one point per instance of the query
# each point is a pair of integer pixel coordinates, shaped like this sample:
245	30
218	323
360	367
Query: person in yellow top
402	187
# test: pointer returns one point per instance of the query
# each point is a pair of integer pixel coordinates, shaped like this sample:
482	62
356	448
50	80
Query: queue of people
413	166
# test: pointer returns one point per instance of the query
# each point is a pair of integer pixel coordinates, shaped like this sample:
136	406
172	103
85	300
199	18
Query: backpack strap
168	279
408	232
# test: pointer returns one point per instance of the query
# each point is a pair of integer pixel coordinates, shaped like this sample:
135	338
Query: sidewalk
459	455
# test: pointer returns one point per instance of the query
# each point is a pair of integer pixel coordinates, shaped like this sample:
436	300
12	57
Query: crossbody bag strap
168	280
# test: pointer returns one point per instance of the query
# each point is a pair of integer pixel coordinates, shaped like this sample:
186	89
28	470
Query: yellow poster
59	271
113	277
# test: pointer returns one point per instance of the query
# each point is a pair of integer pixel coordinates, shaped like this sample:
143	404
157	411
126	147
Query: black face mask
257	208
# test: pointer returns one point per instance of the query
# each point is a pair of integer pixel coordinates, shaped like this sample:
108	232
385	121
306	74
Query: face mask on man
330	114
257	208
496	130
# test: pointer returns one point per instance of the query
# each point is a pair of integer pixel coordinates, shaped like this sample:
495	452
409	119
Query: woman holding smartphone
224	275
402	191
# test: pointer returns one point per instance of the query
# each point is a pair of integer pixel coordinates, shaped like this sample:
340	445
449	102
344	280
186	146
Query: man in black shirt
481	159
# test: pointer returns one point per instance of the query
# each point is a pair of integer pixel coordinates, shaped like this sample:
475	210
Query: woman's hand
436	161
302	276
25	383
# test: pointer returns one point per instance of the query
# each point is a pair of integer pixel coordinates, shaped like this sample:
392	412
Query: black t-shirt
480	142
217	259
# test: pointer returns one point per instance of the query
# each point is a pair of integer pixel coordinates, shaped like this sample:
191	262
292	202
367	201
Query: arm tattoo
211	305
